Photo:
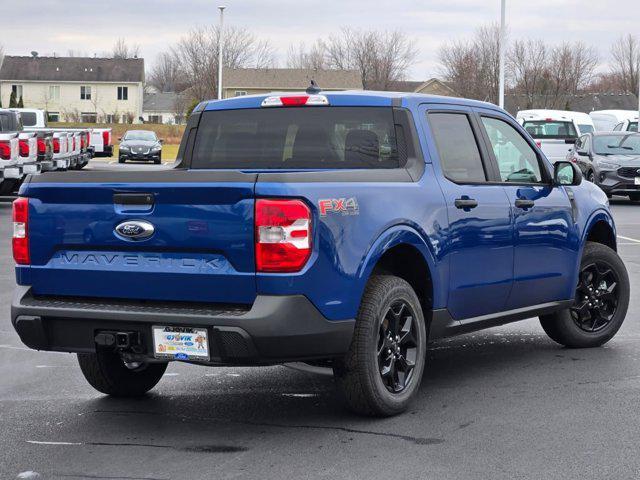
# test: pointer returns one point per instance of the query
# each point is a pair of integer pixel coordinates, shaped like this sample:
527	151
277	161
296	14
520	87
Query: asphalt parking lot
503	403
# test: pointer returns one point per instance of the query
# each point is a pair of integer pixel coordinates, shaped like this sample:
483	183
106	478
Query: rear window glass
28	119
298	138
550	130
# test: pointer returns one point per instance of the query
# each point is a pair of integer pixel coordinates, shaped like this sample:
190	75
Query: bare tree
314	58
196	56
76	53
381	57
527	66
473	66
123	50
165	75
625	66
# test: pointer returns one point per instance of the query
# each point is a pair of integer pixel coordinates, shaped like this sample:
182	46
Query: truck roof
365	98
536	114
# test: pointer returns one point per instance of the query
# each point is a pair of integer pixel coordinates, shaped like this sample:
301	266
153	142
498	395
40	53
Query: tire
106	372
158	161
591	176
358	375
121	160
562	327
634	197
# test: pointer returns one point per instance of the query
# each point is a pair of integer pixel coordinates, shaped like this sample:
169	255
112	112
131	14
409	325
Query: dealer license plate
181	343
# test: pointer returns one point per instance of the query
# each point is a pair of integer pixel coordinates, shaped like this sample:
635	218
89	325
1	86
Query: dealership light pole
503	41
220	40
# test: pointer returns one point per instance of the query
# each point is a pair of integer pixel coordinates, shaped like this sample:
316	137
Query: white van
555	131
610	120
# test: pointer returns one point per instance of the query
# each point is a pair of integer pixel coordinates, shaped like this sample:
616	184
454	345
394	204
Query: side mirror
161	141
119	139
570	141
583	153
566	173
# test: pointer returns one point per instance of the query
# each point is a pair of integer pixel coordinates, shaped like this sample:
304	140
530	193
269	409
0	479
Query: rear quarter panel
348	246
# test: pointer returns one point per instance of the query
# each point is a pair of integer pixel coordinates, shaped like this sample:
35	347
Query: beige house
429	87
76	89
250	81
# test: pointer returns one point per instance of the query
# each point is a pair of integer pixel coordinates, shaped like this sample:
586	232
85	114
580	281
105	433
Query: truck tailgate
201	249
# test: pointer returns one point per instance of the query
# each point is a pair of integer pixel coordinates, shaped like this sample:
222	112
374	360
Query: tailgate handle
141	199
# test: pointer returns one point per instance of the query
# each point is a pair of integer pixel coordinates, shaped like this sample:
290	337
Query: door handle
524	204
465	203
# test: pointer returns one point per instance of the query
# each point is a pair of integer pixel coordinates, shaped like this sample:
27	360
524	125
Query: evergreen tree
12	100
20	103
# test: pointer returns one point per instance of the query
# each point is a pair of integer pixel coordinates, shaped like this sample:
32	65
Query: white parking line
634	240
35	442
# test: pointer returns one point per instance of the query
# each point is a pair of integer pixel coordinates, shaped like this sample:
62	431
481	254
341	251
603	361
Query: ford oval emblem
135	230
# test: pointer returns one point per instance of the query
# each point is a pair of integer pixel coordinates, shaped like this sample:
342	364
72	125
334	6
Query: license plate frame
181	343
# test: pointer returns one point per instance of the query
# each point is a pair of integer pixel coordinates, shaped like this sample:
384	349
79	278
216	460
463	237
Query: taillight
105	138
23	146
539	143
283	235
42	146
21	231
73	143
83	142
5	150
56	145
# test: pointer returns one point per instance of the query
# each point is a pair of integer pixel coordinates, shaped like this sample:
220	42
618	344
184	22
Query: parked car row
31	148
604	144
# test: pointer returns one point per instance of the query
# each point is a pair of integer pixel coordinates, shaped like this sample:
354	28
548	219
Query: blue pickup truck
347	228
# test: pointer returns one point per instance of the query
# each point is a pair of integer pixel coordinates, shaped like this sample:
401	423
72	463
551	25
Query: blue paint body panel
487	260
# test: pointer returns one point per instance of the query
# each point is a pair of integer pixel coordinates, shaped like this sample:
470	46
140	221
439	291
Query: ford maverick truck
348	228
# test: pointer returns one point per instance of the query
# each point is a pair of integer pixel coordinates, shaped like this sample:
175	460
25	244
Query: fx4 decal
343	206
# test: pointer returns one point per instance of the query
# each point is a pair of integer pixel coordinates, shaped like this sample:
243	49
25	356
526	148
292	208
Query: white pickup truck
554	131
99	143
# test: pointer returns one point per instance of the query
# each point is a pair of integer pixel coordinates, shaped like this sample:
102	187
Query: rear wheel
107	372
382	370
634	197
601	302
8	186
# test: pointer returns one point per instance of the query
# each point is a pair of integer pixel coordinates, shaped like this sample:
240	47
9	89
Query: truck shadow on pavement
223	412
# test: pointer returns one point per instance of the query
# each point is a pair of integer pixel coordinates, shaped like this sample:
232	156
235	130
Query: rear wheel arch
401	251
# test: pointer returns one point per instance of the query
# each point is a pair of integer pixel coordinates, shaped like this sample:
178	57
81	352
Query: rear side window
457	147
633	127
298	138
28	119
545	129
586	128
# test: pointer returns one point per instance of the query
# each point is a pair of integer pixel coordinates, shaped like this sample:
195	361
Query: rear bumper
275	329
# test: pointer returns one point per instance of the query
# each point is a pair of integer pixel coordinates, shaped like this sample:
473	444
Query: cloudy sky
92	26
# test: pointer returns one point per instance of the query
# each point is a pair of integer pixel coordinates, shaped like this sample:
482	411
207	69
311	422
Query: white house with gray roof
164	107
76	89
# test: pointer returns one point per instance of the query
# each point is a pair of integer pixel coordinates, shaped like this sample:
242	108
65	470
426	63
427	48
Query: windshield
617	145
141	135
546	129
586	128
282	138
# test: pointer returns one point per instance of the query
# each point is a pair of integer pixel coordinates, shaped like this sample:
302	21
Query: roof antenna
313	89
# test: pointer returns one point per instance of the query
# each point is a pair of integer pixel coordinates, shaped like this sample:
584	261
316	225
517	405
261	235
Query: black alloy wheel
597	297
397	346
